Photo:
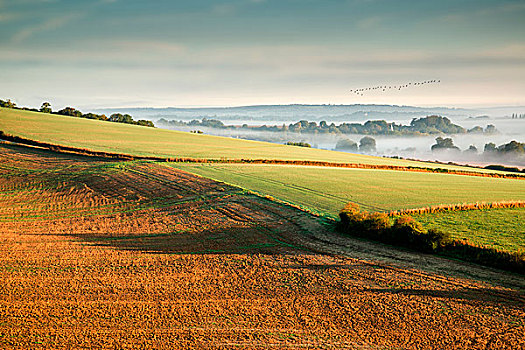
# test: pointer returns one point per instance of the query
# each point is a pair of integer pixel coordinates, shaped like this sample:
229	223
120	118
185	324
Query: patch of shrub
504	168
300	144
376	222
407	232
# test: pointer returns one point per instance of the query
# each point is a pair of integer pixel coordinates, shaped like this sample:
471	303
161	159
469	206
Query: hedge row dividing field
173	260
458	207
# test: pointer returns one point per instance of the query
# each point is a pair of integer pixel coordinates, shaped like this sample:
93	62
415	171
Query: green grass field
499	228
143	141
327	190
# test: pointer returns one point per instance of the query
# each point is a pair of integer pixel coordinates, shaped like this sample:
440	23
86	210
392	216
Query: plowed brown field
101	254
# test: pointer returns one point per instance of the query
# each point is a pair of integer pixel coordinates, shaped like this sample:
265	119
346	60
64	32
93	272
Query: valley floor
106	254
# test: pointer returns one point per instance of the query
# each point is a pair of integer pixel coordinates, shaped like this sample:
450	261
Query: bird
364	90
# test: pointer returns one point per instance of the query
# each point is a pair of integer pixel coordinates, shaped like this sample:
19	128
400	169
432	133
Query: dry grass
98	254
458	207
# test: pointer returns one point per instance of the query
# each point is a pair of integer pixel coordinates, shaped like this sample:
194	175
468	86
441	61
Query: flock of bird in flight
362	91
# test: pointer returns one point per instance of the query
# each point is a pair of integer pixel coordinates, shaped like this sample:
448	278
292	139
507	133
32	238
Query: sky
130	53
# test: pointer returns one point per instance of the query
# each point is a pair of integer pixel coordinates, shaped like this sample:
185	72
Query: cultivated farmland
106	254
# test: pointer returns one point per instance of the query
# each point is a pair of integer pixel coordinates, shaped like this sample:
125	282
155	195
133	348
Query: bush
376	222
407	232
300	144
444	144
147	123
346	144
406	221
351	217
367	144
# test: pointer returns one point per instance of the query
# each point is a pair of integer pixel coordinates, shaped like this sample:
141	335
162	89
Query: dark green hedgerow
407	232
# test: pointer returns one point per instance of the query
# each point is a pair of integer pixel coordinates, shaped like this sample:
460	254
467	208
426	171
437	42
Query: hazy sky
110	53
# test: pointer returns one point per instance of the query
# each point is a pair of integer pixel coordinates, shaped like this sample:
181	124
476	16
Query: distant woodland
430	125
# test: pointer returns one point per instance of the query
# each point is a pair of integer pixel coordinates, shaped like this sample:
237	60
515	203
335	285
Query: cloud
118	53
7	16
492	11
18	2
284	60
224	9
501	8
369	23
229	8
50	24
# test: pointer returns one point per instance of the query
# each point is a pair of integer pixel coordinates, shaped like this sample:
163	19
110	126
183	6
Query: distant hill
503	111
331	113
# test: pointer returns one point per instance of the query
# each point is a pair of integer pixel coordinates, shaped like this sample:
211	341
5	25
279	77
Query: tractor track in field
304	189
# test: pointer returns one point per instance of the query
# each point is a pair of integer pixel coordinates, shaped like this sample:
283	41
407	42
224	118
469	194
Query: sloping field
142	141
99	254
499	228
326	190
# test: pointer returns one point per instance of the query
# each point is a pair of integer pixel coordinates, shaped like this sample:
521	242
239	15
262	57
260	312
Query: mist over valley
408	146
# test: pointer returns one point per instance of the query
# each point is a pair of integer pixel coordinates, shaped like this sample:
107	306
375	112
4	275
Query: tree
70	111
95	116
490	147
435	124
367	144
7	104
346	145
490	129
147	123
300	144
512	147
121	118
472	149
444	144
46	108
475	130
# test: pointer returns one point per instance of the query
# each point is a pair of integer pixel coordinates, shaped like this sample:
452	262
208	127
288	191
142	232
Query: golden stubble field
98	254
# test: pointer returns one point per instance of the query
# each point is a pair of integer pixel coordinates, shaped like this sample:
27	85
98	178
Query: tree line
73	112
510	148
429	125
